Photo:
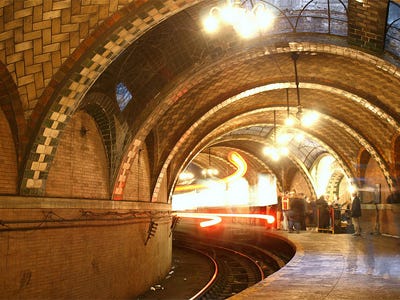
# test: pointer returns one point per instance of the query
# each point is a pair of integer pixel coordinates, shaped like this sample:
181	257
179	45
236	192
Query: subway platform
334	266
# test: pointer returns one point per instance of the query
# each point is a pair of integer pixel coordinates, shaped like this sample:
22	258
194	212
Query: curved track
237	266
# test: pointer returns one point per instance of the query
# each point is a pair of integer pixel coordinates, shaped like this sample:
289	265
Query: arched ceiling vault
254	145
255	140
344	105
331	135
190	88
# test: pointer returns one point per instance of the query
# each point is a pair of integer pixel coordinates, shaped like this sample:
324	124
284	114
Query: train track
237	266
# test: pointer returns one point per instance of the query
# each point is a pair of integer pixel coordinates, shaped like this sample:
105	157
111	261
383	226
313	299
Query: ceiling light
309	118
209	172
186	176
275	152
284	138
246	22
300	118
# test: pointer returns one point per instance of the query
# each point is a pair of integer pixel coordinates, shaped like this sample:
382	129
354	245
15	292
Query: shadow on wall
393	198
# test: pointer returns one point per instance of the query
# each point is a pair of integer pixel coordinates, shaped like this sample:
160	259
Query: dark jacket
296	212
356	207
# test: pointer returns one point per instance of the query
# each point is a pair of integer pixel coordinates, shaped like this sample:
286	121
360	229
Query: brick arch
334	183
396	160
201	144
362	162
105	112
66	89
186	157
137	186
303	172
79	168
239	96
8	159
93	56
10	104
173	175
304	47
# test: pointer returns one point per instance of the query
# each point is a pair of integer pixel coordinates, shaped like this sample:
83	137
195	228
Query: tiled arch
88	62
334	182
305	46
107	129
68	86
11	105
352	132
205	140
396	159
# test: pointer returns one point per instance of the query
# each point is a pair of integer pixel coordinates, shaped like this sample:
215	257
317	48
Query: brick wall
80	165
137	184
374	175
85	260
163	196
367	24
300	185
382	218
36	38
8	159
387	214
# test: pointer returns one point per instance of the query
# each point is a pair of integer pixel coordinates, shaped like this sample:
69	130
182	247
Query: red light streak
216	218
213	218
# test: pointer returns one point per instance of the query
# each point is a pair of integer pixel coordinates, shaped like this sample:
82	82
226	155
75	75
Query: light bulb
290	121
264	18
211	24
231	14
245	26
309	118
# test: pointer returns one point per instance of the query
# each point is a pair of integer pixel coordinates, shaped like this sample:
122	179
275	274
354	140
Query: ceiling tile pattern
189	88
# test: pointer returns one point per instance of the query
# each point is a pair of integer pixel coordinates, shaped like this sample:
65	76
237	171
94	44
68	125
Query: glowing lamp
211	24
246	22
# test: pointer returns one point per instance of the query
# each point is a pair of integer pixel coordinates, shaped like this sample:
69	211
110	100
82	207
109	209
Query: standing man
356	214
296	214
285	211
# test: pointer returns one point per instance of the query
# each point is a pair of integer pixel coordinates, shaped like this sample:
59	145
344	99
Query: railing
334	220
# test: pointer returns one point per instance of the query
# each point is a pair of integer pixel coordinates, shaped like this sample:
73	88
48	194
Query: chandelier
300	118
185	178
275	152
246	21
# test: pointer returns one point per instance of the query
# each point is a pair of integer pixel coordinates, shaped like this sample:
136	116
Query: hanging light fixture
185	178
275	152
209	172
246	20
301	118
290	122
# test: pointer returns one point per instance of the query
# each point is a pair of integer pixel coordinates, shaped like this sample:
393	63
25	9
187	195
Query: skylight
123	96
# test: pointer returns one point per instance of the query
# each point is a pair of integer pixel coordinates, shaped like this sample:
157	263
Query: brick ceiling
199	81
191	90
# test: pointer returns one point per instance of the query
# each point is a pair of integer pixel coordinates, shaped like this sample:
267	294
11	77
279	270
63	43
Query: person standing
356	214
285	211
322	213
296	214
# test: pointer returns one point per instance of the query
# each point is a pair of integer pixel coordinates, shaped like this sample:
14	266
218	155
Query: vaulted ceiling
198	91
192	91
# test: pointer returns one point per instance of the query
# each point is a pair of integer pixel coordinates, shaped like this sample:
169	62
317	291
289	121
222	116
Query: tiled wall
81	254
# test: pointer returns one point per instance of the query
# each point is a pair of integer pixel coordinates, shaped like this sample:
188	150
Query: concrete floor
334	266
